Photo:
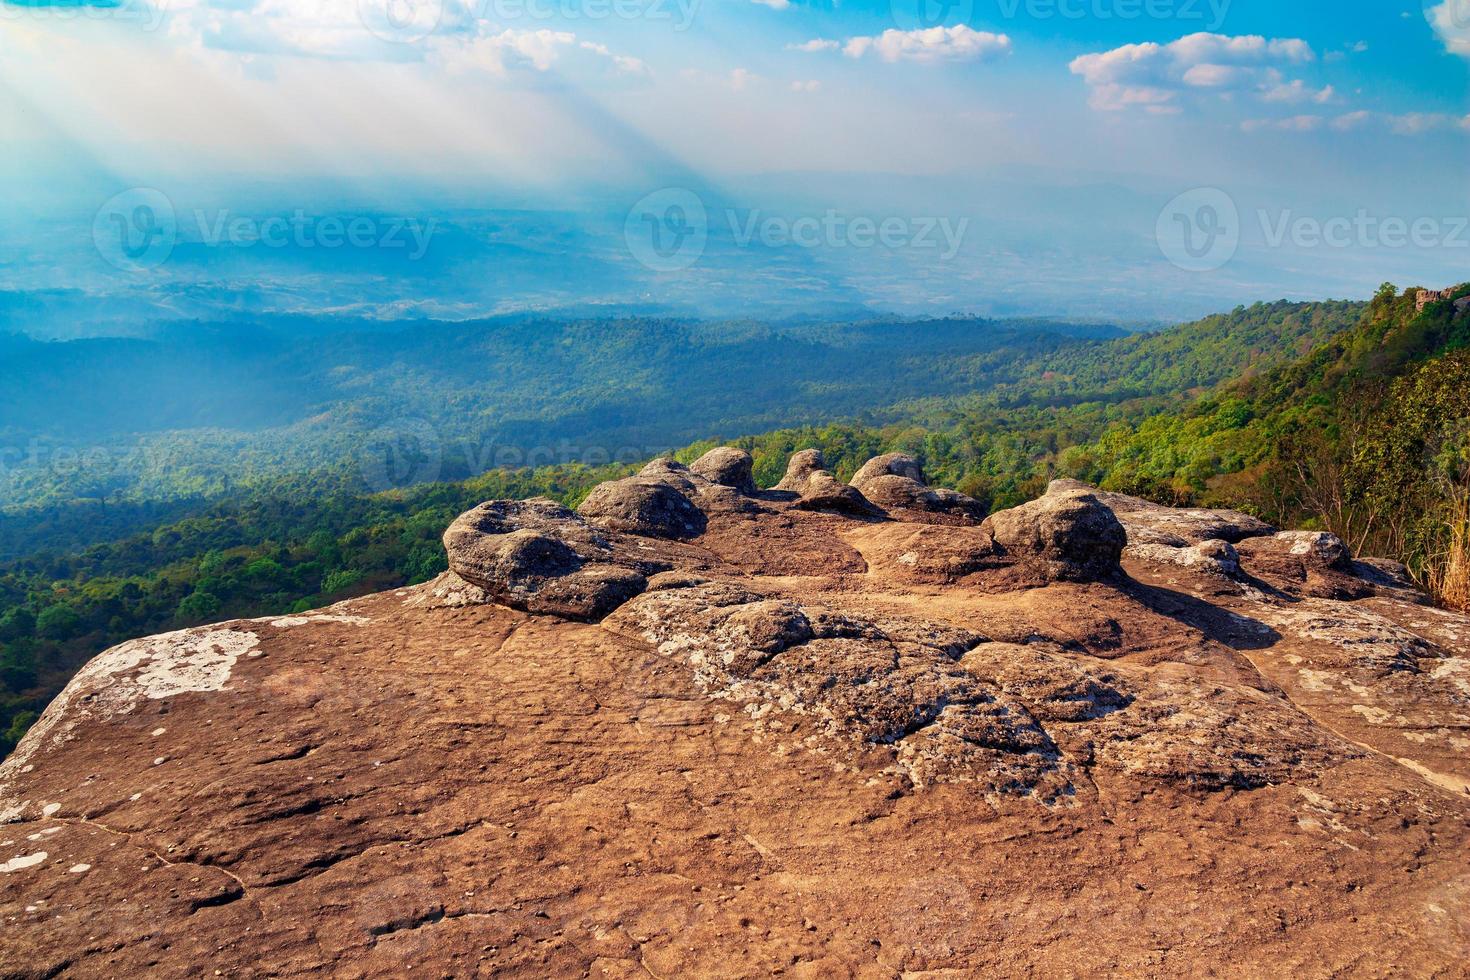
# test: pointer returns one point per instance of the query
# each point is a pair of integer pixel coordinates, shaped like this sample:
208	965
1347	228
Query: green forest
1353	417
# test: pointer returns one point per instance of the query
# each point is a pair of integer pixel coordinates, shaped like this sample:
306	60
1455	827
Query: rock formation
697	729
817	489
896	482
727	467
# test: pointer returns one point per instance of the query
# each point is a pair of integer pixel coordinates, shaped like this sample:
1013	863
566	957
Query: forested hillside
1349	416
102	437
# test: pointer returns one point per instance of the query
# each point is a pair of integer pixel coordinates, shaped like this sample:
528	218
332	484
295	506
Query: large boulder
540	557
817	489
727	467
889	464
823	491
1067	535
895	482
1313	563
643	506
800	468
1149	523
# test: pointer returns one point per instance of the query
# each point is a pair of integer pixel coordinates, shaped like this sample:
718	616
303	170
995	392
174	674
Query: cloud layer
1451	21
1157	77
935	44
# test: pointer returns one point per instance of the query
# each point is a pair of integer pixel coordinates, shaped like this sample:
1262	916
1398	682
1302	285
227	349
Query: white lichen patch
291	622
23	862
1456	670
115	682
1374	716
1373	641
448	591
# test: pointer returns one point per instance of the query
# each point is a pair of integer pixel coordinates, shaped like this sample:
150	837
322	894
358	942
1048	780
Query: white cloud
740	79
806	86
774	4
1153	75
540	51
446	32
1352	120
1451	22
1418	123
814	46
1291	124
1297	91
959	43
1402	124
1215	76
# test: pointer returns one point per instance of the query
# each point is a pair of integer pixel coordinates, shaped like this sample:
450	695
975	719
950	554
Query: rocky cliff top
826	730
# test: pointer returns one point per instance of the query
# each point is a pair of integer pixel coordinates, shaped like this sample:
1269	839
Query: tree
58	623
198	607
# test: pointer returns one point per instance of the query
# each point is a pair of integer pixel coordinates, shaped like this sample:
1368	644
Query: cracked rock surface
700	729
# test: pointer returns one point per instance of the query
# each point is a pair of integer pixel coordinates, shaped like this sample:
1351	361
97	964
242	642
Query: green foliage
1272	408
198	607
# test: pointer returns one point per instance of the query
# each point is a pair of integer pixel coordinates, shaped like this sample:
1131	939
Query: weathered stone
890	464
900	493
798	718
800	468
1067	535
824	492
644	506
1293	550
727	467
1150	523
1217	557
540	557
895	482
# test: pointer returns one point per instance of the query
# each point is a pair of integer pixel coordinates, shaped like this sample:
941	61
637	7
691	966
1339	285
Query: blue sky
1308	107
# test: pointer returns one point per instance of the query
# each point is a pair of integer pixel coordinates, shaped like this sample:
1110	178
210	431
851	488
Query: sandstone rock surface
896	482
817	489
1069	534
783	742
728	467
